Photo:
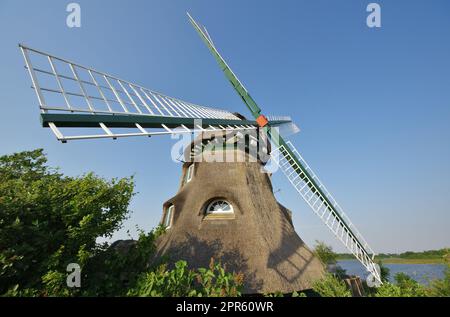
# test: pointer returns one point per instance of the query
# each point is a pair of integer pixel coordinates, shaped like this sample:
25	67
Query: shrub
215	281
384	272
111	272
181	281
388	290
405	286
48	220
331	286
409	287
441	288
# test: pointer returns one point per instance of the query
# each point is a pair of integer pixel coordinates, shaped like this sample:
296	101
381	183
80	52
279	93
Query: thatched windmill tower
227	210
222	210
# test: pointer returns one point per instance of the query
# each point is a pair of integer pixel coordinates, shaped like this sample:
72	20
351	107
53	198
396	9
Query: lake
422	273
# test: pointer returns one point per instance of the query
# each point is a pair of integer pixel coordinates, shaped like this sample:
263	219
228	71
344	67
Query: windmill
299	173
76	98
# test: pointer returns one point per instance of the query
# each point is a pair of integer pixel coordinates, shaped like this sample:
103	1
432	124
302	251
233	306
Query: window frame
168	217
208	206
189	173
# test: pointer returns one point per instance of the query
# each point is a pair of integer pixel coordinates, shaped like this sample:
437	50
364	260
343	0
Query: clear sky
373	104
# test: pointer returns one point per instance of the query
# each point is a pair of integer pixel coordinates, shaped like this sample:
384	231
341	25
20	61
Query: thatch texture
259	240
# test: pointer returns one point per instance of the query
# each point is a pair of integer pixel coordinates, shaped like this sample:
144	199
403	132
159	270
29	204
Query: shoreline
402	261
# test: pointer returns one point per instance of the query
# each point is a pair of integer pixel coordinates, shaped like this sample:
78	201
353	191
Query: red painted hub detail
262	121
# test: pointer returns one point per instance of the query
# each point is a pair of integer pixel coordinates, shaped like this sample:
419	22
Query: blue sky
373	105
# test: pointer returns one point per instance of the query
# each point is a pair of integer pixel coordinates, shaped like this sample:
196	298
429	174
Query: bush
441	288
384	272
408	286
111	272
331	286
388	290
48	220
181	281
405	286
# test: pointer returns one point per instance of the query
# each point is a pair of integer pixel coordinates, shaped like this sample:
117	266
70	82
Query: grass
441	256
411	261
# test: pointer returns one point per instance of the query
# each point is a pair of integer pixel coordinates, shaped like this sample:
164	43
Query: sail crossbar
107	132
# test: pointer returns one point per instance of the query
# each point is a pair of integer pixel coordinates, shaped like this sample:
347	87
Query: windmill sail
300	174
312	190
74	96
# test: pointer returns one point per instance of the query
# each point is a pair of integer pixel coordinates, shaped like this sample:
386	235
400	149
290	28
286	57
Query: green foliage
441	254
430	254
405	286
15	292
384	272
181	281
408	286
325	253
339	272
331	286
276	294
111	272
163	282
388	290
280	294
329	258
48	220
441	288
215	281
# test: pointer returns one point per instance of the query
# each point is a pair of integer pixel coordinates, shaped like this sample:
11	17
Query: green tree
329	258
325	253
48	220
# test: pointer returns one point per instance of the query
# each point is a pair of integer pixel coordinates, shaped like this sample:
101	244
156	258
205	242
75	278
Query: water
422	273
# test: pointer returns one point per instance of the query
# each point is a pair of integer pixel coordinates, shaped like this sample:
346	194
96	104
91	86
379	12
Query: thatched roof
259	240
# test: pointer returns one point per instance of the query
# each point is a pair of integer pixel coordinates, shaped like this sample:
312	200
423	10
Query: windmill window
189	173
219	207
168	217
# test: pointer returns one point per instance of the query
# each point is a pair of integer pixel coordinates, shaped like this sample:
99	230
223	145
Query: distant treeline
430	254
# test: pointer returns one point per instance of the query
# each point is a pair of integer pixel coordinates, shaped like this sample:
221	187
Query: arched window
167	222
219	206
